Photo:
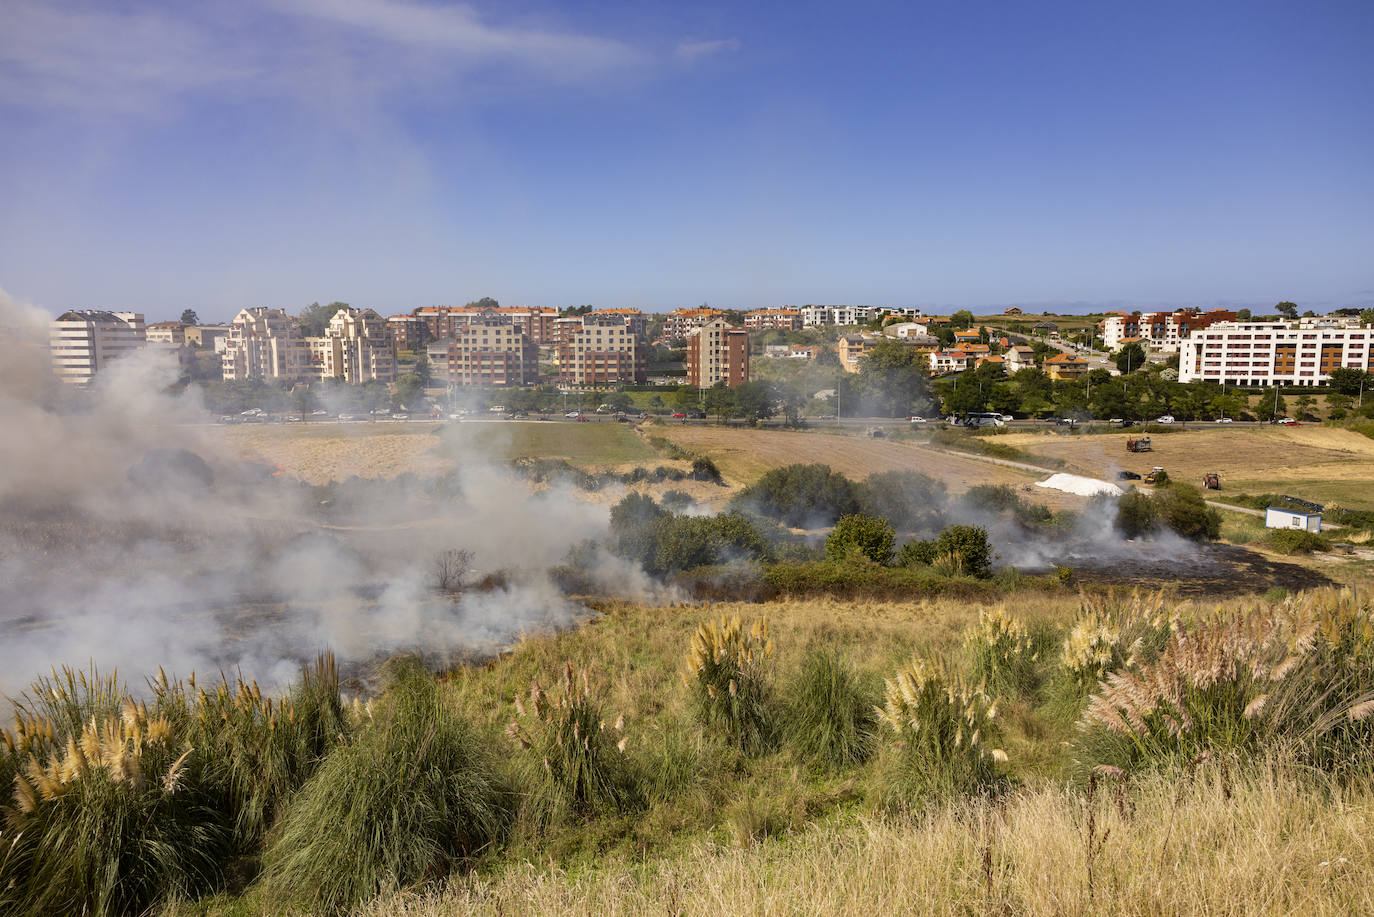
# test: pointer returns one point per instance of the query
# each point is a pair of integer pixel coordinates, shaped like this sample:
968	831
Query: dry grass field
744	455
1317	463
319	453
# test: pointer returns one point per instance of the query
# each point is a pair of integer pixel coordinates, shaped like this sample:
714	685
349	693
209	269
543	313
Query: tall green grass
831	717
413	796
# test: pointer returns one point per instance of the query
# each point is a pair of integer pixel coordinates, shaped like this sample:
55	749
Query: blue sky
391	153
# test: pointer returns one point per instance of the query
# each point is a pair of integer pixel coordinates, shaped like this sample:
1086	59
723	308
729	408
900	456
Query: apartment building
718	352
636	320
773	320
356	348
819	316
494	351
265	344
167	333
1160	330
681	322
1275	353
83	341
441	322
407	332
601	350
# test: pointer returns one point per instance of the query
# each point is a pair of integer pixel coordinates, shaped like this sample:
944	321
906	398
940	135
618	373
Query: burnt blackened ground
1202	570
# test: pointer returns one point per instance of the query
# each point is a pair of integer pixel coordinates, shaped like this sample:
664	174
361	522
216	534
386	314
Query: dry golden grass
1271	844
1319	463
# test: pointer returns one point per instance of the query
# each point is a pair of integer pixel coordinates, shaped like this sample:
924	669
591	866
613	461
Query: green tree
316	318
410	392
962	319
188	317
892	382
1227	406
375	395
1347	380
486	302
1136	515
1367	316
968	546
1288	310
1130	358
423	369
720	401
304	400
1271	406
755	399
1183	510
870	536
1304	404
1243	315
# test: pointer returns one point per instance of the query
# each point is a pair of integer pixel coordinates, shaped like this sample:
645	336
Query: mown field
319	453
1324	464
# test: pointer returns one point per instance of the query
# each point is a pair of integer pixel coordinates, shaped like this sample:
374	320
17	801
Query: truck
1139	444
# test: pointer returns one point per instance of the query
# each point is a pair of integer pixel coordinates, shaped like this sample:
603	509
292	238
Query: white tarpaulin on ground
1077	484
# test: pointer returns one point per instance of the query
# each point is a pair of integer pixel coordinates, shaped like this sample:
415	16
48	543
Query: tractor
1154	476
1211	481
1139	444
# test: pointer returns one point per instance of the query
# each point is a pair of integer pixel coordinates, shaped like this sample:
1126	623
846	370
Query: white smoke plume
246	573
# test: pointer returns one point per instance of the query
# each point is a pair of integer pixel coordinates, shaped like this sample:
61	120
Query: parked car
581	419
1223	420
915	419
1127	476
1165	418
680	416
1288	422
573	414
696	415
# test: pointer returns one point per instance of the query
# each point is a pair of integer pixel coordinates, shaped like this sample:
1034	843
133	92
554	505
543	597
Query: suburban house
1065	367
1020	357
944	362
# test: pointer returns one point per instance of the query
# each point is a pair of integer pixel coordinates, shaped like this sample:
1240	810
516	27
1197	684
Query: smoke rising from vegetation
115	550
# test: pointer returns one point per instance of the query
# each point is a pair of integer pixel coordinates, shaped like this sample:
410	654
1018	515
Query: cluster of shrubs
661	541
119	804
562	472
814	496
1177	508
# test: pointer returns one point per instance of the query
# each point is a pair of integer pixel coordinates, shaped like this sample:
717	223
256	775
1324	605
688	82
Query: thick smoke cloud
248	573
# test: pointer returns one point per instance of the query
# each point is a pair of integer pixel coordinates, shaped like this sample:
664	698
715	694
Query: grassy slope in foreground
1262	845
728	834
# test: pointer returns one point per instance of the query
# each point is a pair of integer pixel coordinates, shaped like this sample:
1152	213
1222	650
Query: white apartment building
1160	330
264	344
359	348
816	316
83	341
1274	353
